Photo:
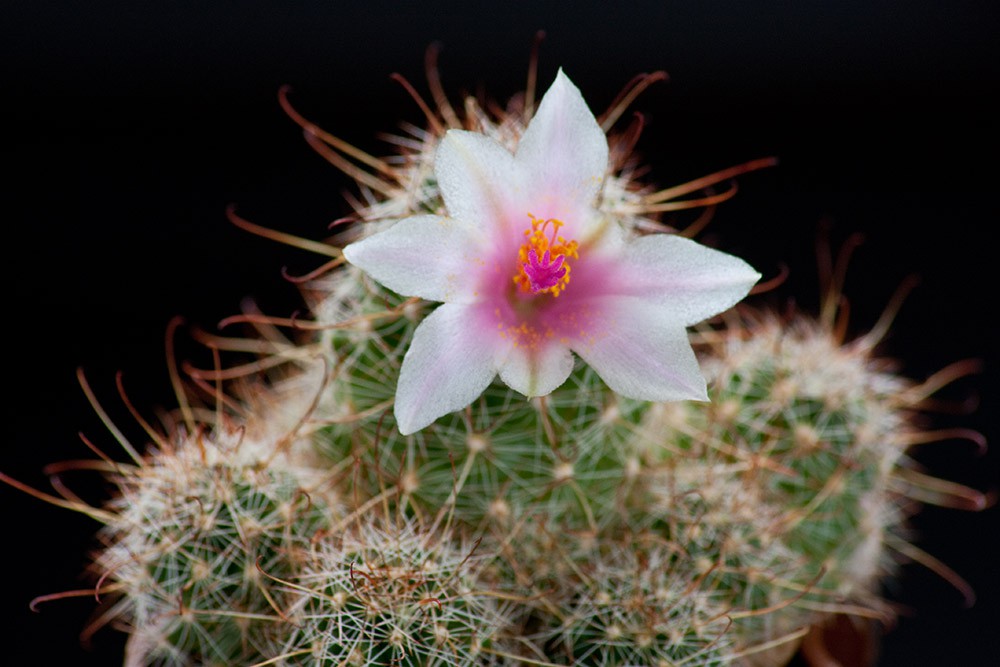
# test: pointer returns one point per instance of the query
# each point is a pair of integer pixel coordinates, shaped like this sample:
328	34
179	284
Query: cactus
198	529
388	594
292	521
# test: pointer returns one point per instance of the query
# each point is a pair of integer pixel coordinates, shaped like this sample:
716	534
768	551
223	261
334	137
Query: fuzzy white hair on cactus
530	271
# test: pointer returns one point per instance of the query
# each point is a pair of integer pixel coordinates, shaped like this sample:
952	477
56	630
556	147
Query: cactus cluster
288	522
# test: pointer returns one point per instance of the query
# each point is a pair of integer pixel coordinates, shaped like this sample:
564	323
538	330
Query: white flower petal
480	183
691	281
537	371
642	354
449	364
425	256
563	150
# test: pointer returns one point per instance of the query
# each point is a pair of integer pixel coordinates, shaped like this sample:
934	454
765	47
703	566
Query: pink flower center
542	265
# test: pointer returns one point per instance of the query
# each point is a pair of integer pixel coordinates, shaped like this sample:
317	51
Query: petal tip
701	395
409	418
351	252
406	427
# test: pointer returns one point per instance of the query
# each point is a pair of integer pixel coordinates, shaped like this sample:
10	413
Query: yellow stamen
540	243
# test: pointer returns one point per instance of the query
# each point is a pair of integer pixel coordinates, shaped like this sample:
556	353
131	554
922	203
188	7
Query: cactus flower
529	271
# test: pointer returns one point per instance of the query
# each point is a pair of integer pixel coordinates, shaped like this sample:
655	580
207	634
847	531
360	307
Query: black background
130	126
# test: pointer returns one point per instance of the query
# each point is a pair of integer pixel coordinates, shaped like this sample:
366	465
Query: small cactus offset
513	430
194	538
388	594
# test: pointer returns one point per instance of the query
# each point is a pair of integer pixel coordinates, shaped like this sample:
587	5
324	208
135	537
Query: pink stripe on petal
564	153
537	371
448	365
426	256
685	279
481	184
641	354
